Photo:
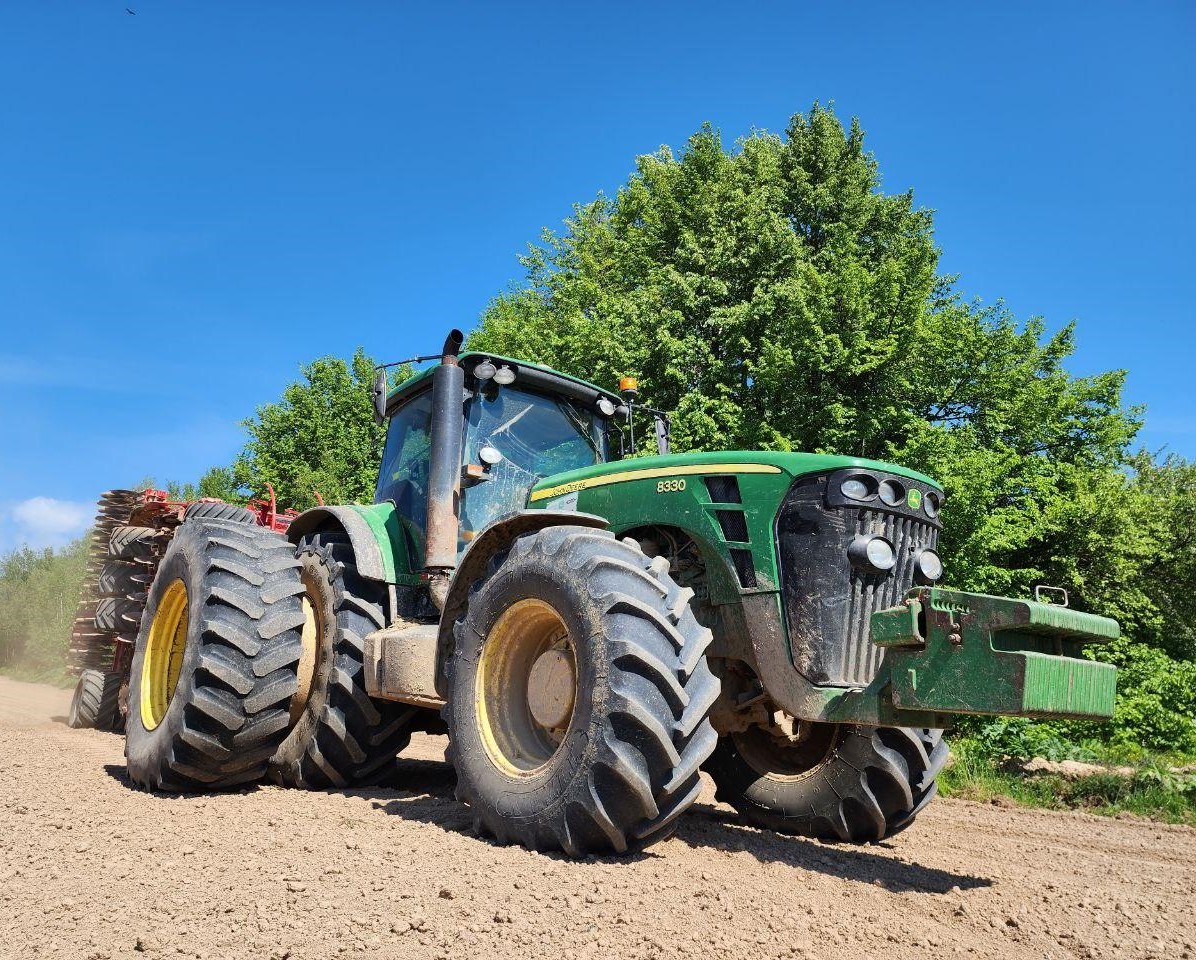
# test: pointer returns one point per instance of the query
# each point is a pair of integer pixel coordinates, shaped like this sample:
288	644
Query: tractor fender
494	539
366	551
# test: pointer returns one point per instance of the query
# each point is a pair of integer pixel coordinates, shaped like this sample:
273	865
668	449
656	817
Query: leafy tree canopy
775	297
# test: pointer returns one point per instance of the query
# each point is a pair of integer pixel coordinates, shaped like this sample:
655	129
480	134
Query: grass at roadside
55	676
1154	789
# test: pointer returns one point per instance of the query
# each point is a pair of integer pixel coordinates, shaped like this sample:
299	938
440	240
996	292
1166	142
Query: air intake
723	489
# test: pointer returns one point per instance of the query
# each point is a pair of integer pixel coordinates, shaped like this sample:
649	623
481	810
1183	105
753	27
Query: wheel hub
550	689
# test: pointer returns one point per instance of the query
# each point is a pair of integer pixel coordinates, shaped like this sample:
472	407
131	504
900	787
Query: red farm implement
132	530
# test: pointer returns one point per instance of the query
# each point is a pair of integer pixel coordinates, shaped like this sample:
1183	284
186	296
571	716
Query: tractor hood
689	464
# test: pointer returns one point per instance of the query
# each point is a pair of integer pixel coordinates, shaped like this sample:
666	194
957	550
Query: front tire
579	696
215	664
838	782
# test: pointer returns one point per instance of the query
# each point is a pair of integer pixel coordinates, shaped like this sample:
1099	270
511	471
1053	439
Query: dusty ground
90	867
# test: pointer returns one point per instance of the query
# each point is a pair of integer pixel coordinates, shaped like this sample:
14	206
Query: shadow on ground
120	773
422	791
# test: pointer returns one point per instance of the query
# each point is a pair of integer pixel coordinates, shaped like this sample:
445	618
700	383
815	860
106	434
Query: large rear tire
341	736
579	696
837	782
216	659
94	702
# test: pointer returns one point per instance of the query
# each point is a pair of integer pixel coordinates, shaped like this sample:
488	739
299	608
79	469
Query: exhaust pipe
444	470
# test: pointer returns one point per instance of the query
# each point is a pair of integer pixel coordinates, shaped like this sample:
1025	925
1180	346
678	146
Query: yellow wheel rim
312	639
526	688
164	651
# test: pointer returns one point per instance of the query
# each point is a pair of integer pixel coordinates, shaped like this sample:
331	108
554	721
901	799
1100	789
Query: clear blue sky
198	198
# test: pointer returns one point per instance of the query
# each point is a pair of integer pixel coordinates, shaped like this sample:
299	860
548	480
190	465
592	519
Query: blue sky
196	199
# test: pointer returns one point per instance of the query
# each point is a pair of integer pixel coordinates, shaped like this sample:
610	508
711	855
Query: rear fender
493	540
373	532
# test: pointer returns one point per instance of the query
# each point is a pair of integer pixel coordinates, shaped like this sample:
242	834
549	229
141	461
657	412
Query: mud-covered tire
133	543
230	708
342	736
870	783
121	578
94	702
627	764
219	511
119	614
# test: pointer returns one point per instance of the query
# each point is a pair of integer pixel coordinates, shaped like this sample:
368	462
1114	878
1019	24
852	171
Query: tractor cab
520	423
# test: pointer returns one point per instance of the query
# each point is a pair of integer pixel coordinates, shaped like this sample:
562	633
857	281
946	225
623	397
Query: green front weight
951	652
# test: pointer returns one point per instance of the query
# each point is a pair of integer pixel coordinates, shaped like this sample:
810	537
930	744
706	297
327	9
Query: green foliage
320	436
39	590
775	297
1156	705
979	771
1016	738
221	483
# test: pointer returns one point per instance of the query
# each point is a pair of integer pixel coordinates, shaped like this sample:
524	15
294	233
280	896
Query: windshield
538	435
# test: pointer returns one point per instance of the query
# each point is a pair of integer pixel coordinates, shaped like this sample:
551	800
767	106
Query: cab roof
529	374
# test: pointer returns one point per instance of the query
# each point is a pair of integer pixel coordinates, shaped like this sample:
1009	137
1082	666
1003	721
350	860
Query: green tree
775	297
320	436
39	590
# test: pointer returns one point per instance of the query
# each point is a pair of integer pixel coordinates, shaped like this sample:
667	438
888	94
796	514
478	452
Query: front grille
828	602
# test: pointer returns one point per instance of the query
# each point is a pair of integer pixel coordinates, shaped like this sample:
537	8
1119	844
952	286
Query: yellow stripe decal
650	474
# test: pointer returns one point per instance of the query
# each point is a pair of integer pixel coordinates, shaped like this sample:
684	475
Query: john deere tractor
592	629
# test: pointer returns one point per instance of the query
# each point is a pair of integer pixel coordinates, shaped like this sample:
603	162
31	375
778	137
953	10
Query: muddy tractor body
592	629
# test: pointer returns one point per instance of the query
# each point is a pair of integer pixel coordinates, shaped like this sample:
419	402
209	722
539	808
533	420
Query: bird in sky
131	13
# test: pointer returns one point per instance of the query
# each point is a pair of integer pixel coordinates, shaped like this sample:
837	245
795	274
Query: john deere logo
914	499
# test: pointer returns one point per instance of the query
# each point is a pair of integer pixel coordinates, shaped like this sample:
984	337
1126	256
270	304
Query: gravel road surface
92	868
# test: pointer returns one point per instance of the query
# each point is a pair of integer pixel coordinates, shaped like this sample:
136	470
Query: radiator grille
872	592
829	602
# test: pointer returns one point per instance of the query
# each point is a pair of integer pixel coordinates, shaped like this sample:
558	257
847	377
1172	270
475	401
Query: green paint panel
385	524
792	464
670	491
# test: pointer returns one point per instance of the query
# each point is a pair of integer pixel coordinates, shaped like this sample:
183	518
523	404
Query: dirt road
91	868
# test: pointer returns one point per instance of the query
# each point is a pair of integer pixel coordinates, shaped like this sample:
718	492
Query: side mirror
379	392
662	425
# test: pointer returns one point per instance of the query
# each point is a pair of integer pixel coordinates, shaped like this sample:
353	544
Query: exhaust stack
444	469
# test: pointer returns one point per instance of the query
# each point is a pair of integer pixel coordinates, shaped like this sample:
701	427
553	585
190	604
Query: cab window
403	476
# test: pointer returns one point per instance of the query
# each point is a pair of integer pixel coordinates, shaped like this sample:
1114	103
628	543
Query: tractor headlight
928	567
872	553
858	488
892	493
931	503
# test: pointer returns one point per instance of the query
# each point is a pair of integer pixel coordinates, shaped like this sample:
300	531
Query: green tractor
592	630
